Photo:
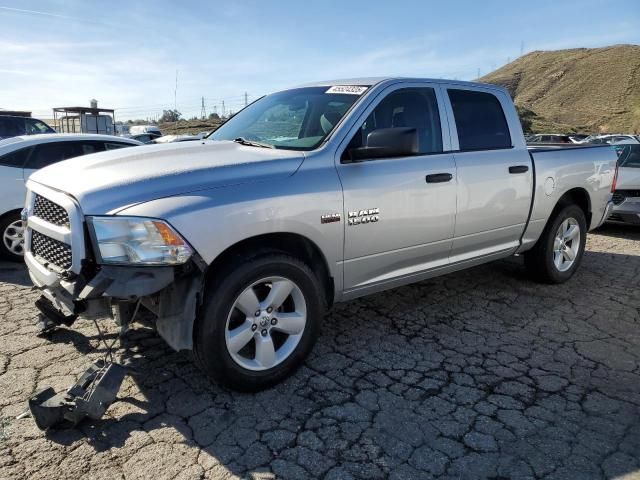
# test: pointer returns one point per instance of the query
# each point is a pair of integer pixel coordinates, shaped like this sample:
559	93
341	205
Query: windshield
298	119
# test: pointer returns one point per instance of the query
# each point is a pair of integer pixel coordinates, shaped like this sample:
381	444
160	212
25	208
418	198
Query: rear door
495	172
12	181
399	212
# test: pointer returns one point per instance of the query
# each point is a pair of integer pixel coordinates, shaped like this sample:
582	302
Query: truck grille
51	250
619	196
49	211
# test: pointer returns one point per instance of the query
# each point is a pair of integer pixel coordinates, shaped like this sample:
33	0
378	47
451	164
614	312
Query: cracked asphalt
479	374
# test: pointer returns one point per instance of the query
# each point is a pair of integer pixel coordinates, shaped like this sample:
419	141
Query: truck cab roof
375	81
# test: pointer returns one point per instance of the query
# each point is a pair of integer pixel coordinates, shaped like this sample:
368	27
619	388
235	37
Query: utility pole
175	99
203	111
245	99
175	93
223	108
522	48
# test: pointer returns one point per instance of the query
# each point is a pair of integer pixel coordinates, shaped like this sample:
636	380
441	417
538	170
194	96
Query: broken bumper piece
91	395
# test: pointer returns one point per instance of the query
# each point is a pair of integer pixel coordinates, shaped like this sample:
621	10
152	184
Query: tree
214	116
170	116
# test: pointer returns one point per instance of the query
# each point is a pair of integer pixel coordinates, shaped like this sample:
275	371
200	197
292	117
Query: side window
15	159
115	146
408	108
11	127
90	147
50	153
480	120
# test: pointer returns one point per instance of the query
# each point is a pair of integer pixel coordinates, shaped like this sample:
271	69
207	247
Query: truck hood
107	182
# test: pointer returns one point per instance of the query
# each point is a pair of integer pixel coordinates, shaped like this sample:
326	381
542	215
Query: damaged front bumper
170	292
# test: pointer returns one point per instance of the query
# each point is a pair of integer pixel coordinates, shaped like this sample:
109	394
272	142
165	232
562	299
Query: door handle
519	169
439	178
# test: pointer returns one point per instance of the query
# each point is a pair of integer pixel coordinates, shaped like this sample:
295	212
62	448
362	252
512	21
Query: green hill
583	89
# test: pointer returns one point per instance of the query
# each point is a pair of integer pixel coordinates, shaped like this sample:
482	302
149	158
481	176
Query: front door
399	211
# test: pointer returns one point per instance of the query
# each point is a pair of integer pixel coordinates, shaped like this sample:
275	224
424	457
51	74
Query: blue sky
126	53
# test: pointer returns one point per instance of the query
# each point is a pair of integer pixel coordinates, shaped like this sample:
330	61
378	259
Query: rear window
115	146
33	127
480	120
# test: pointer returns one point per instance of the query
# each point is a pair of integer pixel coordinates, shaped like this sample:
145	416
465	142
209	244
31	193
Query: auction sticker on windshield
347	89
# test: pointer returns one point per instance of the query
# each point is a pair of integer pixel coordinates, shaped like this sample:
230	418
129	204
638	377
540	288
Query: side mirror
387	143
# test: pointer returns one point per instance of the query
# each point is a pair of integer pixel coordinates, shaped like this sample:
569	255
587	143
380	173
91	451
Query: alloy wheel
266	323
566	244
13	237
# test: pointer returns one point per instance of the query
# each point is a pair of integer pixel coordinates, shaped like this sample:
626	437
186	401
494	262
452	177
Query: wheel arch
293	244
10	212
575	196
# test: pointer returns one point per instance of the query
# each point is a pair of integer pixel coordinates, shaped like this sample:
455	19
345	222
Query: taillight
615	179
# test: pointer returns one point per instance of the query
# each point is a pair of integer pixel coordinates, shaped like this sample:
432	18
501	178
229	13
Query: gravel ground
480	374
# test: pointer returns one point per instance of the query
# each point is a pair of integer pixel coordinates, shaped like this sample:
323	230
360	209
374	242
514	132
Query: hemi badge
330	218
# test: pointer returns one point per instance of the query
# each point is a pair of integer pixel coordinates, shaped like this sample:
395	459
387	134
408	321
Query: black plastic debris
50	318
91	395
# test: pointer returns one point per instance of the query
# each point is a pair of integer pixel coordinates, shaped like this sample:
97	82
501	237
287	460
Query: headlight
137	240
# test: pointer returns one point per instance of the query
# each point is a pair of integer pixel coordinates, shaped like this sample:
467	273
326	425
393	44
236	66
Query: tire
549	261
12	241
248	362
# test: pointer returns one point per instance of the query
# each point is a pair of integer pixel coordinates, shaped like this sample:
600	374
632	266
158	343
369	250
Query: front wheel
12	229
259	321
559	250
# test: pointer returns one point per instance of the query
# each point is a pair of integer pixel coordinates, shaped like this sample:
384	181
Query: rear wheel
259	321
559	250
12	246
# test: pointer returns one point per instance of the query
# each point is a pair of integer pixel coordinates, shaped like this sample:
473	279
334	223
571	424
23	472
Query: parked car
145	137
20	157
138	129
238	243
626	197
11	126
612	139
549	138
578	137
175	138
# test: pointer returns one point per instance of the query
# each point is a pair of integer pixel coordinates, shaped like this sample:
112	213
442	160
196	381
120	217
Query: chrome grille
49	211
51	250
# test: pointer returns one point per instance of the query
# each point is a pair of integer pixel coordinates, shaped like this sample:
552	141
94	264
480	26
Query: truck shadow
618	230
477	374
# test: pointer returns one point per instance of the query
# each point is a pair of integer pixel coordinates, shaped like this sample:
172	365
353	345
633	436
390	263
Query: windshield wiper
251	143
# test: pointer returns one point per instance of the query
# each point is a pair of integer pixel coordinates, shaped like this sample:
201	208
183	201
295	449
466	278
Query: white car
626	197
21	156
613	139
138	129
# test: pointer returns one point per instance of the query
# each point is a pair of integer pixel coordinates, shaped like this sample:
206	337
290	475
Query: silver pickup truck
319	194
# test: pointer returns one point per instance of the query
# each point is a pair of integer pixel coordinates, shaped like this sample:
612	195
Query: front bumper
93	296
628	211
